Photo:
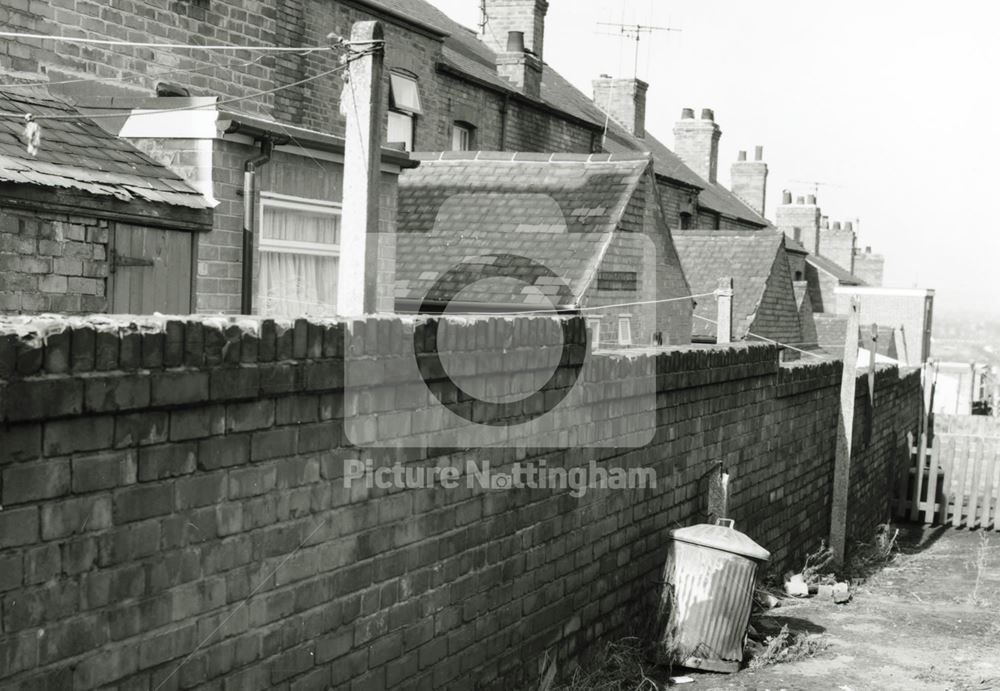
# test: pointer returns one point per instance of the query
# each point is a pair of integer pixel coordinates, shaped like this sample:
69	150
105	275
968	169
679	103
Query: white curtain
298	282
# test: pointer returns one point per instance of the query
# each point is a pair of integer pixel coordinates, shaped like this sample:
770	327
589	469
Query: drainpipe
503	121
249	219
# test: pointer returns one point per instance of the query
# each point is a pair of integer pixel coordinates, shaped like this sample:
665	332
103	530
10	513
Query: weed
622	667
786	646
980	564
867	558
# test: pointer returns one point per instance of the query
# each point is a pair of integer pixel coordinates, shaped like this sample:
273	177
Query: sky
893	106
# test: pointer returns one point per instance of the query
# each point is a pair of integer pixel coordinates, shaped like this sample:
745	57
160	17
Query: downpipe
250	168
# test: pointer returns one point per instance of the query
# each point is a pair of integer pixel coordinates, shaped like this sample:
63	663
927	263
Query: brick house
445	88
764	300
582	230
89	223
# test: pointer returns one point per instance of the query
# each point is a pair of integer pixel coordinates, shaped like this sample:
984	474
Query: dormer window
404	107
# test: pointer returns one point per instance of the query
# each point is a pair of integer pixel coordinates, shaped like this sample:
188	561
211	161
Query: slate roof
559	210
77	154
708	255
794	246
831	332
843	276
464	52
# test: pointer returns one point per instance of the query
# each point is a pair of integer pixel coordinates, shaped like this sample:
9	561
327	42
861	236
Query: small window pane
401	129
405	93
461	138
625	331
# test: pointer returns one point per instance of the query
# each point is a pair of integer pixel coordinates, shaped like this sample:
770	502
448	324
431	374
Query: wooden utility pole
361	106
845	432
724	304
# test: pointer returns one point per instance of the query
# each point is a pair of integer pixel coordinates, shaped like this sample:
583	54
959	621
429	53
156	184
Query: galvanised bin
709	580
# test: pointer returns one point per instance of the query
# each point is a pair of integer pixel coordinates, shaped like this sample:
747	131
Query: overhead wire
168	46
770	340
215	104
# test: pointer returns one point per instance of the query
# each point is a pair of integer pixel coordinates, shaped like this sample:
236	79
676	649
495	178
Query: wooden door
150	270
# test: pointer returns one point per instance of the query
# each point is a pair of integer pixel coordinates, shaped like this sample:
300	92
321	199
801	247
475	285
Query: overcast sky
893	103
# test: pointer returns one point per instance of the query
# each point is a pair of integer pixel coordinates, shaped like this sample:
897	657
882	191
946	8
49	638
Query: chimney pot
515	41
786	197
836	225
741	156
811	199
708	114
868	250
824	222
525	16
758	154
849	226
687	114
800	200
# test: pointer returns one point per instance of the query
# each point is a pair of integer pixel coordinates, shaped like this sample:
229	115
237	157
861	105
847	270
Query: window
404	93
404	107
685	221
401	129
797	233
595	332
625	330
798	276
299	256
462	137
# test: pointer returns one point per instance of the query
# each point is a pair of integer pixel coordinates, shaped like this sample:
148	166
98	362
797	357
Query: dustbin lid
724	537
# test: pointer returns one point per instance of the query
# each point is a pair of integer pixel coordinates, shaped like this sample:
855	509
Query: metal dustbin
708	586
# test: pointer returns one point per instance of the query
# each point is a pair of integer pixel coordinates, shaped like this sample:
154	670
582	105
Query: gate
957	482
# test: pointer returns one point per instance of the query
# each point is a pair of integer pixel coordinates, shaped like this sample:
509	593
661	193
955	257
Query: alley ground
920	623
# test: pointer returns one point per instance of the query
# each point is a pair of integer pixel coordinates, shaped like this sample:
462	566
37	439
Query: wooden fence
953	477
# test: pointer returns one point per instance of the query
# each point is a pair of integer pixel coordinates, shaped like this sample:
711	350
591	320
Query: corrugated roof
559	210
77	154
845	277
746	255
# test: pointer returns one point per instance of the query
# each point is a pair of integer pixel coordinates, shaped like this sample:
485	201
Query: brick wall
157	478
52	262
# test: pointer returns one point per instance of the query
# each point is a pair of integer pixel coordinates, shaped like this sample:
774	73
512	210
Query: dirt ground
919	623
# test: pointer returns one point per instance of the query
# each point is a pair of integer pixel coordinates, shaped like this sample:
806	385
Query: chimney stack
524	16
697	143
624	100
749	180
800	220
840	244
519	66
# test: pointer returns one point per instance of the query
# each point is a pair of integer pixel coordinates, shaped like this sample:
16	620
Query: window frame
287	201
468	130
416	108
412	119
625	320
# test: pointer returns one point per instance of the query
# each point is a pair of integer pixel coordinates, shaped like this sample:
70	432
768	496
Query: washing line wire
769	340
545	311
137	75
214	104
167	46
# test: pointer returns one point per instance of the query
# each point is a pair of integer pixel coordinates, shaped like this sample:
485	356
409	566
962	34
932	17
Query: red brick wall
52	262
157	479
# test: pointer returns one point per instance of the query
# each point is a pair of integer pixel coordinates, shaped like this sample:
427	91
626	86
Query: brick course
153	542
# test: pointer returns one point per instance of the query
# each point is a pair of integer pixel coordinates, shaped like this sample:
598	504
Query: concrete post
724	304
845	434
361	105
